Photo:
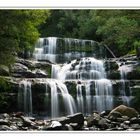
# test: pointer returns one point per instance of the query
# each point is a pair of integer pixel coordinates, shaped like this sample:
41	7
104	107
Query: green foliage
4	85
118	29
19	32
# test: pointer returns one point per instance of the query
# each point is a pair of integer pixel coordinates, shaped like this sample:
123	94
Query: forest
20	29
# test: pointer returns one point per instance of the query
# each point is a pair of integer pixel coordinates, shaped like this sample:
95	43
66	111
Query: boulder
93	119
4	122
135	120
40	74
114	115
77	118
5	128
26	121
103	124
4	70
54	125
17	67
125	111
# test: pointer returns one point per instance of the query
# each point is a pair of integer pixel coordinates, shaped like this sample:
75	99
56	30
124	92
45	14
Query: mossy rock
113	75
4	70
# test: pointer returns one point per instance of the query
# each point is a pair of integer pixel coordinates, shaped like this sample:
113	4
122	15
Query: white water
45	49
88	70
60	89
25	97
83	69
124	69
63	49
80	99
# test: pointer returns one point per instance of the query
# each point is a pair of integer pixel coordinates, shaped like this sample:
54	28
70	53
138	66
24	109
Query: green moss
4	85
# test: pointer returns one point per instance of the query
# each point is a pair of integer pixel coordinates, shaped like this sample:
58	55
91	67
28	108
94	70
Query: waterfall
89	70
60	50
45	49
124	69
25	97
84	68
58	88
80	99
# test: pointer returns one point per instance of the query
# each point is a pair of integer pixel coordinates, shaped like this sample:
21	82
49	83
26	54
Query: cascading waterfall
25	97
88	70
83	69
93	91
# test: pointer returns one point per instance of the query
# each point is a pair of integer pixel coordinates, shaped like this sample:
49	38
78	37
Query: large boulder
125	111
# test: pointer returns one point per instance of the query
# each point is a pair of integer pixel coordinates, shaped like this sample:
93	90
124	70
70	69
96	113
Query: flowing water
92	91
60	50
88	70
25	97
124	69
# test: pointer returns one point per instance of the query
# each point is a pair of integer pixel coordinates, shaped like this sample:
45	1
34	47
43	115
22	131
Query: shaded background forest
20	29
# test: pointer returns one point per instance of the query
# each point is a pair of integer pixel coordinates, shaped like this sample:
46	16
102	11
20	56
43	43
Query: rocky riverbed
122	118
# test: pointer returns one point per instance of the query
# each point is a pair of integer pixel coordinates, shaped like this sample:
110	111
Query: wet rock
4	122
114	115
64	120
77	118
4	115
135	126
104	113
124	126
125	111
93	119
135	120
54	125
18	114
75	126
68	127
17	67
40	74
127	122
103	124
26	121
5	128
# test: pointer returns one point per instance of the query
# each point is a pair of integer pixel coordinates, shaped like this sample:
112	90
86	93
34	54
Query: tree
19	31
